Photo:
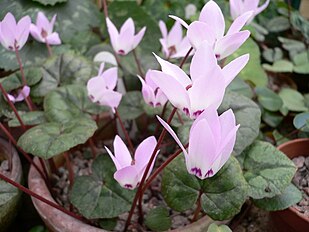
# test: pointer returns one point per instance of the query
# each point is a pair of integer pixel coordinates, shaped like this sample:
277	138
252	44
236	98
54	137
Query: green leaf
29	119
241	87
272	55
39	228
293	46
49	2
68	102
223	194
293	100
247	114
99	195
131	105
218	228
289	197
268	99
253	71
158	219
301	63
272	119
14	81
267	170
301	121
64	69
279	66
108	223
50	139
278	24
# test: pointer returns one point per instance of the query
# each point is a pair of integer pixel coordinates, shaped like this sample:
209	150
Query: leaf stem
198	207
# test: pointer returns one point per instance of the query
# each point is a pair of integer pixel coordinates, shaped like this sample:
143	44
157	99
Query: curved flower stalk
42	31
100	88
130	171
211	27
239	7
152	95
211	142
124	41
174	45
13	36
206	86
21	95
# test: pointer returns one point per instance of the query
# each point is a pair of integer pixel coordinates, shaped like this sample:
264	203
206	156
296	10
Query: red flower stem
92	148
33	194
105	8
198	207
140	187
126	134
70	168
28	158
12	107
138	64
180	118
50	52
47	181
28	99
161	116
185	58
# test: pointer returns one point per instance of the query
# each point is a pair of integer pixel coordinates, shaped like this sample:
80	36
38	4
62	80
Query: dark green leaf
158	219
99	195
108	223
272	119
290	196
267	170
50	139
49	2
241	87
247	114
69	102
293	100
268	99
29	119
131	105
64	69
218	228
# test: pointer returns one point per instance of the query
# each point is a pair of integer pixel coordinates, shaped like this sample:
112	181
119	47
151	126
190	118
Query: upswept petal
52	23
231	70
198	32
144	151
113	33
138	37
160	98
250	5
263	7
23	94
174	71
165	50
183	48
202	149
110	76
124	42
239	22
212	15
118	166
230	43
227	122
128	27
8	27
149	80
173	90
175	34
111	98
53	39
127	177
181	21
23	29
235	8
173	134
101	69
94	88
122	153
147	91
42	22
202	62
163	29
36	33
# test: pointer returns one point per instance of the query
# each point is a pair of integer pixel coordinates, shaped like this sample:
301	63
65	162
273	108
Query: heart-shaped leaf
99	195
131	106
292	100
267	170
49	2
301	121
50	139
268	99
68	102
218	228
158	219
30	119
223	194
64	69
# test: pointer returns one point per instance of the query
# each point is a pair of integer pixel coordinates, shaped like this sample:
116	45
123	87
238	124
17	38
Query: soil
301	180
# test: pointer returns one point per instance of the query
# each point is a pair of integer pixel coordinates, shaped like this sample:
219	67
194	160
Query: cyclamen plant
207	121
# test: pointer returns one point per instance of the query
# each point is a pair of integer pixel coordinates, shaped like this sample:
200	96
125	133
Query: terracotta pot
9	207
58	221
304	8
290	220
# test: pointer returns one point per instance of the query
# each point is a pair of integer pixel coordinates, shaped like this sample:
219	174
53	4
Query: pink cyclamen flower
124	41
211	142
152	95
21	94
211	27
174	45
239	7
130	171
42	31
100	88
206	86
13	36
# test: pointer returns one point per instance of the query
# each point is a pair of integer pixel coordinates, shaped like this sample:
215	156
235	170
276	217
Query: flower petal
147	92
113	34
23	30
125	42
175	35
23	94
137	38
231	70
230	43
36	33
235	8
127	177
110	76
239	22
8	34
163	29
181	21
53	39
261	8
118	166
212	15
144	151
128	27
202	62
110	98
198	32
122	153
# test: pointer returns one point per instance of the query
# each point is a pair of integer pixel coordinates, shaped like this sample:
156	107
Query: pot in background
290	220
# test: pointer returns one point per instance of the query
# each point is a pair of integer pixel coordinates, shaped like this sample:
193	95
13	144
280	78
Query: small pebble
299	161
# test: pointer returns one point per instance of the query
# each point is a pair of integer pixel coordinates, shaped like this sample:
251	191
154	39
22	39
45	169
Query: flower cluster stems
138	64
198	207
50	52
